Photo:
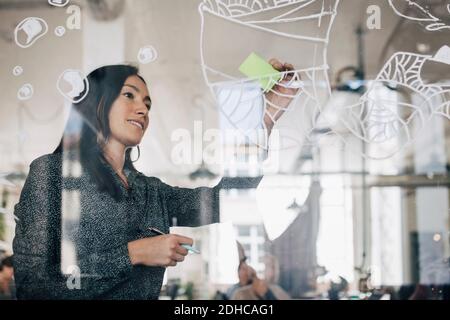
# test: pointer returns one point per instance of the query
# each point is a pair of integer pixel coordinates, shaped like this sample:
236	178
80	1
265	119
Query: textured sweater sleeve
37	244
198	206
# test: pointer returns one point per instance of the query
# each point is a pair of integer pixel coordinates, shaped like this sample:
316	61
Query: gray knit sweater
105	227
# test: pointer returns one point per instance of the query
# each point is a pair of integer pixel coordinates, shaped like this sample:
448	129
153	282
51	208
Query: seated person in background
259	289
245	274
7	285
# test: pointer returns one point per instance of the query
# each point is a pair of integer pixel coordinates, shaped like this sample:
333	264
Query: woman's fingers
181	250
283	67
276	64
184	240
177	257
288	67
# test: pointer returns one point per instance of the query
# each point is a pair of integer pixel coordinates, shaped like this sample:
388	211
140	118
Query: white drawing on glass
440	100
58	3
60	31
74	279
73	85
147	54
29	30
17	71
25	92
287	20
417	12
377	119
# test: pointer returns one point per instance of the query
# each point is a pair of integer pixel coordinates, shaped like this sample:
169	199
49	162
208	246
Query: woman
119	257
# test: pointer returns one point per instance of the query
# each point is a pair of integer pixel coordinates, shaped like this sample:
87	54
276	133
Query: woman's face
128	117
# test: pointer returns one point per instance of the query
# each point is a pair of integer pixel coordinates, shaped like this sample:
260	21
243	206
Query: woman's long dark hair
105	85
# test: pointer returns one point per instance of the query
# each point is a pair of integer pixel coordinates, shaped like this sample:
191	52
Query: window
243	231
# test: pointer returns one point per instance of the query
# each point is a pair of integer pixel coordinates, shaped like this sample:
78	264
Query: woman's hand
280	95
159	251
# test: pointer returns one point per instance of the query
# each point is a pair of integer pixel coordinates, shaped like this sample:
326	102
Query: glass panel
323	172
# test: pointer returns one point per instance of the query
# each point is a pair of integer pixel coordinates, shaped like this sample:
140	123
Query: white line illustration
378	119
58	3
33	28
73	85
443	104
273	21
60	31
420	13
25	92
147	54
440	100
17	71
